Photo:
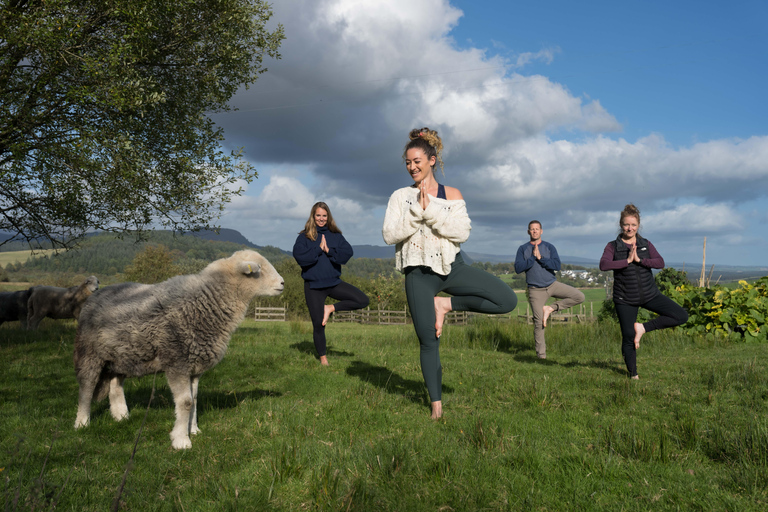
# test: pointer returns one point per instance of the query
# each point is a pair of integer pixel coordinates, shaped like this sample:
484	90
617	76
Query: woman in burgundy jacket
631	258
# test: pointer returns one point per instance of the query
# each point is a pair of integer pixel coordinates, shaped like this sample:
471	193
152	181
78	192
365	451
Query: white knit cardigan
430	237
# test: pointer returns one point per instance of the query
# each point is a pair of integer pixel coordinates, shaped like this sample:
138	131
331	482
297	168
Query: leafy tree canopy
103	119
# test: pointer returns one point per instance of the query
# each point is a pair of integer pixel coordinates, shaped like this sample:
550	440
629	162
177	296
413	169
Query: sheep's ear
250	267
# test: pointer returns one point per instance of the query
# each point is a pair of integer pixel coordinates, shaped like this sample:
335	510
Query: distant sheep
13	306
181	327
58	303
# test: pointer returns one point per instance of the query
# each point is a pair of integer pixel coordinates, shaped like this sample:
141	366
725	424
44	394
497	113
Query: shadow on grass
206	399
602	365
307	347
386	379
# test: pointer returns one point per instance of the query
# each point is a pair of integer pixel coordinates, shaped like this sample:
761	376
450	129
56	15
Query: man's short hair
534	222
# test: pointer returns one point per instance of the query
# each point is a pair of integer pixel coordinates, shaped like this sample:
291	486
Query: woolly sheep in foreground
181	327
58	303
13	306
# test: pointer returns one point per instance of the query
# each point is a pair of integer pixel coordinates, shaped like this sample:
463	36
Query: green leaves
103	123
736	314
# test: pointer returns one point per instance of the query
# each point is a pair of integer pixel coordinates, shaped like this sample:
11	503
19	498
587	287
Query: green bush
717	311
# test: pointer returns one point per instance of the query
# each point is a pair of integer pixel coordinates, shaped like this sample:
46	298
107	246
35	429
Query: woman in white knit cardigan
428	222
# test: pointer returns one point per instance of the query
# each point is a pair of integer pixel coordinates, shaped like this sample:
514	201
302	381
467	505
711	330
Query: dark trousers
670	314
349	298
472	290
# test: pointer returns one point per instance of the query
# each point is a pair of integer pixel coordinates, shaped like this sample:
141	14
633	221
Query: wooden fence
575	314
401	317
264	314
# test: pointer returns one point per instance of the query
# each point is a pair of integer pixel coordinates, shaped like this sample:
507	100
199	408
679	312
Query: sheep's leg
193	419
33	321
181	388
87	378
117	405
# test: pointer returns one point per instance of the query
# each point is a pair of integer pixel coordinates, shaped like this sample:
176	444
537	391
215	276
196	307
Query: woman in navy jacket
631	257
321	250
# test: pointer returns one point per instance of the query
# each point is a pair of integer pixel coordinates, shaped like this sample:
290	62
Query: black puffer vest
635	284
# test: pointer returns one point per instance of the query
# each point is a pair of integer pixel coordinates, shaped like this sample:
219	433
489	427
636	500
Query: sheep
13	306
58	303
181	327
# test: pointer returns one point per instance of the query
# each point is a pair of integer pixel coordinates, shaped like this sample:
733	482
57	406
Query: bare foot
442	307
328	309
635	377
324	361
548	310
437	410
639	331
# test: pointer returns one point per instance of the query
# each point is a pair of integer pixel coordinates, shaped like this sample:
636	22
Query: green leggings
472	290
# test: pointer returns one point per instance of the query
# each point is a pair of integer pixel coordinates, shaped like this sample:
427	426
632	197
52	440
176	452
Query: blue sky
548	110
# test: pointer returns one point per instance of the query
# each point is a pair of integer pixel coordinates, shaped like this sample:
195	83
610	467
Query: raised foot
328	310
548	310
639	331
443	306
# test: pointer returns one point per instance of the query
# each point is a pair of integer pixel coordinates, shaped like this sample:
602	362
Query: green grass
281	433
595	296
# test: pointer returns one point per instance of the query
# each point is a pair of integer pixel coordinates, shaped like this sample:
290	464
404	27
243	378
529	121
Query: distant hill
231	235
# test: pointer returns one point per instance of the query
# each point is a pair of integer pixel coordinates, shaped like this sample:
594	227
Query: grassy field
593	301
20	256
281	433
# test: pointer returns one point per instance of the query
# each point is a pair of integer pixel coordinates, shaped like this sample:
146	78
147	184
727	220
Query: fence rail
401	317
270	314
576	314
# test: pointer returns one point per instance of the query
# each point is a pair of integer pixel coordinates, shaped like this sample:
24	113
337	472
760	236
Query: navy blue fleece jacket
538	273
320	269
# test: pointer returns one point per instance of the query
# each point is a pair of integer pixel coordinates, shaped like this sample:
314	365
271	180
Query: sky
558	111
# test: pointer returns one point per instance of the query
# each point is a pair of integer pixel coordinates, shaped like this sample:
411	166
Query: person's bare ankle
548	310
443	306
639	331
327	312
437	410
324	361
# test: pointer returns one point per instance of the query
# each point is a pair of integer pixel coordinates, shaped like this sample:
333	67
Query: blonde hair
310	228
428	141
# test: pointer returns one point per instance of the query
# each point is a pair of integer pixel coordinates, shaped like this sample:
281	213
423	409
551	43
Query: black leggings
670	314
349	298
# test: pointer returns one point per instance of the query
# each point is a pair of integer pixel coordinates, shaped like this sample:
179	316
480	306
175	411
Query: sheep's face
258	274
92	284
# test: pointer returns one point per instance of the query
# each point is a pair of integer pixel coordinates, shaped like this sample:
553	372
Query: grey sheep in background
58	303
181	327
13	306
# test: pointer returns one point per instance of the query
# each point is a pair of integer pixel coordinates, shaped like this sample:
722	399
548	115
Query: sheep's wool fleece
183	323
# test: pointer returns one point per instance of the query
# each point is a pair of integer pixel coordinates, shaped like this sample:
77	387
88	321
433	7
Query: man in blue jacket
539	260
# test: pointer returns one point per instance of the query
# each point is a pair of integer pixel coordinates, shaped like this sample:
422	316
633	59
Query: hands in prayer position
633	255
423	196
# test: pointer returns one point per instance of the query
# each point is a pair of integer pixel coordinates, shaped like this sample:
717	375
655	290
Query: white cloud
357	75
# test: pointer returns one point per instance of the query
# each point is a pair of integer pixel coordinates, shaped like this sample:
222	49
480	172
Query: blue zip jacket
538	273
322	270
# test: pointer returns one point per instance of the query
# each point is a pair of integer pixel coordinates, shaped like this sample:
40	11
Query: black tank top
441	191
